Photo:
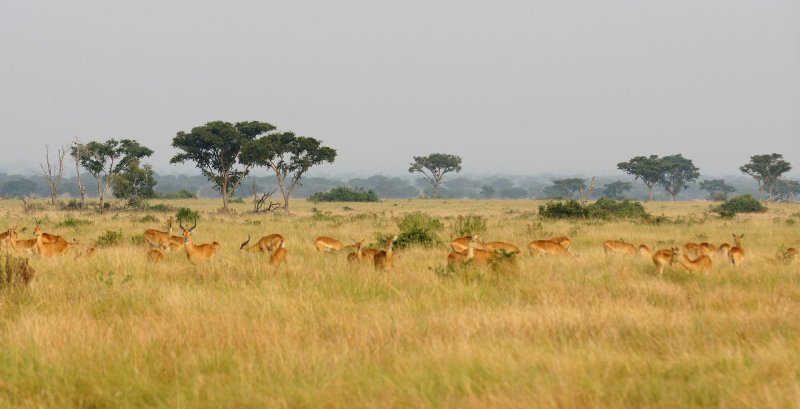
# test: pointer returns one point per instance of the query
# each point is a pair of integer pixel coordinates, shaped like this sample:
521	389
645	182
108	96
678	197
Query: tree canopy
566	188
648	169
434	166
717	189
678	172
766	170
616	190
104	160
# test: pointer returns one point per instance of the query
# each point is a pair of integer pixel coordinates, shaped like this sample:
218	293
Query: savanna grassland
588	331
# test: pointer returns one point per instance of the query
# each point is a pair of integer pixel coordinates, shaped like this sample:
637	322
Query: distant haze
519	87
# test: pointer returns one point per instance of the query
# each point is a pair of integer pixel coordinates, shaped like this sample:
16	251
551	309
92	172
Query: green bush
109	238
418	229
569	209
181	194
73	222
161	207
344	194
469	225
148	219
739	204
603	208
187	215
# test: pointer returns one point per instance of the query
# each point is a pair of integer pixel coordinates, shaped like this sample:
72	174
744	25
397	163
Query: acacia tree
787	190
616	190
566	187
434	167
648	169
289	156
53	172
678	173
766	170
216	149
717	189
105	160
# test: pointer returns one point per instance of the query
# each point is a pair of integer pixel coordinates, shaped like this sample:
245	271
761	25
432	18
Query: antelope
661	258
175	243
614	246
707	249
563	241
155	255
90	252
479	257
160	239
736	253
701	264
499	245
460	244
26	246
8	238
47	237
691	249
546	247
197	252
264	244
278	255
644	250
357	255
51	249
328	244
384	259
791	253
724	250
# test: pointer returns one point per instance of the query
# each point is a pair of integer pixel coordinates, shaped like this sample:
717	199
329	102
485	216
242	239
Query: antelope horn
193	226
241	248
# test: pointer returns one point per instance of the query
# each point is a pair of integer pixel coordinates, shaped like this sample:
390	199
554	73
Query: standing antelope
644	250
459	245
47	237
477	256
707	249
197	252
160	239
563	241
357	255
51	249
724	250
278	255
621	247
328	244
264	244
546	248
384	259
661	259
736	253
26	246
9	238
701	264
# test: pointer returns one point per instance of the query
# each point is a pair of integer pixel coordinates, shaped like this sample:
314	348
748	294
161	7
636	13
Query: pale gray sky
513	86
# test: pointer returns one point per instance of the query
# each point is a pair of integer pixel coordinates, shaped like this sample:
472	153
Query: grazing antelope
460	244
384	259
661	259
563	241
328	244
644	250
621	247
499	245
155	256
263	245
546	248
278	255
160	239
736	253
357	255
701	264
197	252
8	238
51	249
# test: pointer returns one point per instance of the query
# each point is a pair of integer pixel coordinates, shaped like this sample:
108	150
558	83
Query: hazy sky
522	87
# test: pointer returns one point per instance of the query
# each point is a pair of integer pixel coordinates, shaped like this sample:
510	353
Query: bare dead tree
260	202
585	197
53	172
77	153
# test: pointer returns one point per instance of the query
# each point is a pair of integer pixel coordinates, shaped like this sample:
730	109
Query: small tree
77	152
487	191
766	170
678	173
717	189
616	190
104	160
566	187
216	148
134	183
787	190
289	156
53	172
434	167
648	169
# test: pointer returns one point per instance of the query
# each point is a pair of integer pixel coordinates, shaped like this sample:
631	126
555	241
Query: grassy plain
589	331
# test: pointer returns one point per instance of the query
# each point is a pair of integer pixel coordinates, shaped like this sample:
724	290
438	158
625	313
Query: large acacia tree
216	149
434	167
766	170
678	173
648	169
289	156
105	160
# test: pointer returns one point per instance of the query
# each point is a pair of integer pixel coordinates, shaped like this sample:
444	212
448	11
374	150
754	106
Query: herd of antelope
464	250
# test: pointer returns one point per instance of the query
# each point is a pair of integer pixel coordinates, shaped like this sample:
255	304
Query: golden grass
589	331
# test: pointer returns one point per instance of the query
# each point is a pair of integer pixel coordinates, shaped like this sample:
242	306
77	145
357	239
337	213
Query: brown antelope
546	248
724	250
263	245
460	244
278	255
736	253
47	237
88	253
197	252
26	246
661	259
8	238
357	255
499	245
645	251
701	264
328	244
691	249
707	249
478	257
155	255
175	243
51	249
384	259
621	247
160	239
563	241
791	253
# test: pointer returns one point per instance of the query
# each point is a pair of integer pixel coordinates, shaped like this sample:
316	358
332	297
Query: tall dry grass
589	331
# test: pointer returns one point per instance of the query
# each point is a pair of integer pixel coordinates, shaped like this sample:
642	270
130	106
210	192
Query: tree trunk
649	193
53	194
99	192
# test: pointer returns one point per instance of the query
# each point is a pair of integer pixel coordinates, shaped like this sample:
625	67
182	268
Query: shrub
469	225
187	215
603	208
344	194
181	194
569	209
109	238
73	222
161	207
148	219
418	229
14	270
739	204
